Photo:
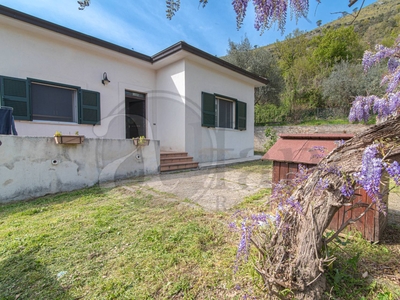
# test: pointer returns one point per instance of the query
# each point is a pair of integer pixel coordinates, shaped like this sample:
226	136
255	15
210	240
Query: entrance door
135	114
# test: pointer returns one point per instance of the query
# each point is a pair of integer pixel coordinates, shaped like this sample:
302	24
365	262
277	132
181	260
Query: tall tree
335	45
347	80
259	61
298	71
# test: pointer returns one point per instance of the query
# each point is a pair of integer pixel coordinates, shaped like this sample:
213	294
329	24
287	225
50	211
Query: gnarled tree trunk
296	260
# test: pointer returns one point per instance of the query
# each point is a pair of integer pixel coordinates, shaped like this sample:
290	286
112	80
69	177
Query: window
224	112
53	103
47	101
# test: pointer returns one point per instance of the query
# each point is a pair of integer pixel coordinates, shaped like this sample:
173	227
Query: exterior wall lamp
105	79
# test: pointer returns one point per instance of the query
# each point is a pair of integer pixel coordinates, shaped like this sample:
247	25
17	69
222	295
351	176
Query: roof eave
20	16
180	46
183	46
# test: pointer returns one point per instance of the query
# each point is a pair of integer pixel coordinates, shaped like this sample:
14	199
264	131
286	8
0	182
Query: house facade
57	79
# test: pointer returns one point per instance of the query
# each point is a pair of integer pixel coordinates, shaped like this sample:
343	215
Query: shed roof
302	148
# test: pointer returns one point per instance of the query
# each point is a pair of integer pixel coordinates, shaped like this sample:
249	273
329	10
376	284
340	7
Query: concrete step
170	160
172	154
179	166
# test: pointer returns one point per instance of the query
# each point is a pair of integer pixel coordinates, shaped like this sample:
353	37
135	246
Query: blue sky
142	25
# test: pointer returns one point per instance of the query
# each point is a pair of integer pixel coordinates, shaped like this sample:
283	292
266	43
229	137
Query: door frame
133	96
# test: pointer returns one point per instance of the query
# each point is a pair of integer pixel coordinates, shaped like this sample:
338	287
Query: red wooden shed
291	150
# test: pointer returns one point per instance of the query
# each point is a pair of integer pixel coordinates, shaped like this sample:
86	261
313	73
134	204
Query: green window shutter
241	112
15	94
89	107
207	110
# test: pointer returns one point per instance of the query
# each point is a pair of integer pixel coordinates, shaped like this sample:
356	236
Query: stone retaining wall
260	139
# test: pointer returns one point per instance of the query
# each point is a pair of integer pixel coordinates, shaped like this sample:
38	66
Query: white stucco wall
170	95
35	166
173	88
212	144
33	52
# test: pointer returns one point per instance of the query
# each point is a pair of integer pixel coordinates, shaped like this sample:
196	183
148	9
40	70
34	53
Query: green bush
269	114
272	137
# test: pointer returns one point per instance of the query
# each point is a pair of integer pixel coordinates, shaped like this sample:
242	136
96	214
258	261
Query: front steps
173	161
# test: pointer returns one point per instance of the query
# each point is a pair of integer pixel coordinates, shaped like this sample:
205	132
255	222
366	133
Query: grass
365	270
257	166
256	201
116	244
317	122
325	122
138	243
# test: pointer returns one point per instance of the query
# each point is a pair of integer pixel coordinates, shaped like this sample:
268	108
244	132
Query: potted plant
141	141
68	139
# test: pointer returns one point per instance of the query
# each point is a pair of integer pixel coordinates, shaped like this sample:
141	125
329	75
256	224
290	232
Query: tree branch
349	221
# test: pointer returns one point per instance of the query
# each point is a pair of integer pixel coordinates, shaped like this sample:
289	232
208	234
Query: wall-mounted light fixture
105	79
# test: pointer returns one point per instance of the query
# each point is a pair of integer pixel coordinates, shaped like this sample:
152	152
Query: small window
53	103
224	113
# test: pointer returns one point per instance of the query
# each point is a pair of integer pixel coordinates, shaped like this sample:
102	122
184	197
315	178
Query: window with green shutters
48	101
208	110
241	112
89	108
223	112
15	94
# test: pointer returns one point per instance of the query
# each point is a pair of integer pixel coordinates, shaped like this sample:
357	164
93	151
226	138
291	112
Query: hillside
375	23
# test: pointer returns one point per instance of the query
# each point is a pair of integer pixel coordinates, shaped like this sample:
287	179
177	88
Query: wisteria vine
389	104
375	162
267	12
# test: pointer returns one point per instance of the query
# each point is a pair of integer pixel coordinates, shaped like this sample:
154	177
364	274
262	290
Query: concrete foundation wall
31	167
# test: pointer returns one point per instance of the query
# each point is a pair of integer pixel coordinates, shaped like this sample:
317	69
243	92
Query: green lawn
132	243
116	244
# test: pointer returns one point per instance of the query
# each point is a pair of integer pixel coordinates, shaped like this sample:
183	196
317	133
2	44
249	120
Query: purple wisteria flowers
360	110
322	184
394	171
347	188
247	228
319	152
369	177
370	58
389	104
339	143
267	12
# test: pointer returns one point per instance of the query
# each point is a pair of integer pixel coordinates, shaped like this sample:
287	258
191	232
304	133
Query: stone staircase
173	161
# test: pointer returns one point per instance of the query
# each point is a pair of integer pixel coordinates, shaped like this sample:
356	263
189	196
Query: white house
189	100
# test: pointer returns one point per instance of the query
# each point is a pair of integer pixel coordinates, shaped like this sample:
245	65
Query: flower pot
143	142
69	139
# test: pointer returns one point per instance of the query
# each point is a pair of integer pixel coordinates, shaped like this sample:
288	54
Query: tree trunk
296	260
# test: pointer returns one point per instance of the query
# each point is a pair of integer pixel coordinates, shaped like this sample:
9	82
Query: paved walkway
225	163
215	186
219	186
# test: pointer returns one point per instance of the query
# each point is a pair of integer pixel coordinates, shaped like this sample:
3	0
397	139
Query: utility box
292	150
